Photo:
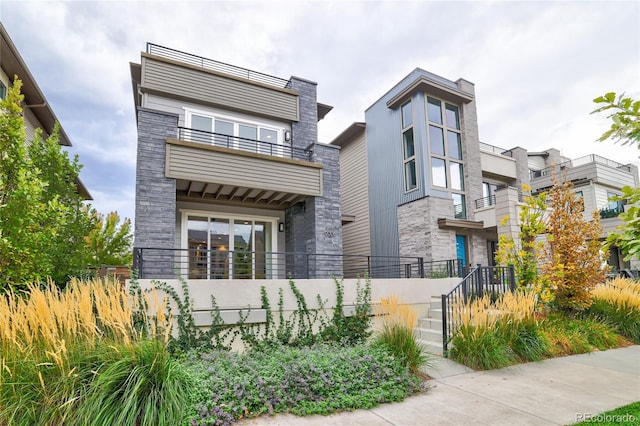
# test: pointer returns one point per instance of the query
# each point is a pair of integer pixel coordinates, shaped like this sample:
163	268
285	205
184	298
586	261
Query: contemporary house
416	180
37	112
411	171
231	181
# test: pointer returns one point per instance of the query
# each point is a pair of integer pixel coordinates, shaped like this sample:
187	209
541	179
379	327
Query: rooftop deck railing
495	149
244	144
210	64
154	263
588	159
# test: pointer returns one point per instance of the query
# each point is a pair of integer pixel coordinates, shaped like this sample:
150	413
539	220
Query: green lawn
625	415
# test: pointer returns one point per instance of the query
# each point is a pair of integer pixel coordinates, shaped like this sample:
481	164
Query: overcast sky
536	65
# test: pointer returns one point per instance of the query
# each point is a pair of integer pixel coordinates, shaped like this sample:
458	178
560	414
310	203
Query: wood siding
354	187
187	82
187	160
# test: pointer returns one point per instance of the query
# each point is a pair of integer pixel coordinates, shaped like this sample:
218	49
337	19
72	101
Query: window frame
407	161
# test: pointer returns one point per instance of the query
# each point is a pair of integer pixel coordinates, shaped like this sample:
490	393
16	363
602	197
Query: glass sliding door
198	247
230	248
219	244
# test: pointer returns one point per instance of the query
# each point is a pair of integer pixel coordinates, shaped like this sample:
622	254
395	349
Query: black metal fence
241	264
244	144
482	280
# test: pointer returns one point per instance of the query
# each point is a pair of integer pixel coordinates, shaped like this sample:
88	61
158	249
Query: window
580	198
445	145
408	149
229	247
3	90
232	133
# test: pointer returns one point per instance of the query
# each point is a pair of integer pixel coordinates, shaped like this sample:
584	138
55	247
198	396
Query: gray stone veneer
315	226
155	194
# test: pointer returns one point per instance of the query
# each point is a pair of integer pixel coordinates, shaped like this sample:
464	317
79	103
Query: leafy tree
625	126
523	253
573	261
628	236
43	220
108	243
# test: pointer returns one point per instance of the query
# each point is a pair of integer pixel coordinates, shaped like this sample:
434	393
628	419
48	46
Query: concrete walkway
551	392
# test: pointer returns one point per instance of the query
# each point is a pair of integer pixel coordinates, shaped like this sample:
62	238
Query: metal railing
157	263
609	212
587	159
491	200
495	149
244	144
482	280
210	64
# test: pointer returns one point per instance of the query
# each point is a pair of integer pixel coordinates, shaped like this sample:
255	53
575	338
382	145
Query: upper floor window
408	148
445	146
231	132
3	90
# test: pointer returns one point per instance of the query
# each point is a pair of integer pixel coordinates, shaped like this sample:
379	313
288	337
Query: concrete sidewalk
551	392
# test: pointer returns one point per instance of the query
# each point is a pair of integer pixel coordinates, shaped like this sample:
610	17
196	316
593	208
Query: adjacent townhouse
411	171
231	182
36	110
417	181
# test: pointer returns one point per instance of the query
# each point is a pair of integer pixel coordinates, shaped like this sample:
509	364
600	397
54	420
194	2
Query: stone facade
419	234
155	214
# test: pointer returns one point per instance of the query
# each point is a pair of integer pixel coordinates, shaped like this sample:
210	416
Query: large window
445	150
408	149
229	132
229	247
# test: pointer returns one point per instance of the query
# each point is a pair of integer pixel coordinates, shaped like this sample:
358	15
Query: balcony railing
491	201
157	263
588	159
495	149
210	64
243	144
609	212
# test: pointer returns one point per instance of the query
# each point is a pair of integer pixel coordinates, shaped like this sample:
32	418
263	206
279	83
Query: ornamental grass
618	302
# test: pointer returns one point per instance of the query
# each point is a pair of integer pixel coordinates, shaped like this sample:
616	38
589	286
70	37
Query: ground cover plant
320	379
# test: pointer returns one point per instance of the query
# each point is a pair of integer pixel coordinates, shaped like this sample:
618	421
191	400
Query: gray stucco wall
155	194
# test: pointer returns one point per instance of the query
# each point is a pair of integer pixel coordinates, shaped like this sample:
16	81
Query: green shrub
142	386
569	336
481	348
525	340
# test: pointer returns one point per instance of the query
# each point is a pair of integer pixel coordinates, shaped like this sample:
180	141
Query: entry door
461	248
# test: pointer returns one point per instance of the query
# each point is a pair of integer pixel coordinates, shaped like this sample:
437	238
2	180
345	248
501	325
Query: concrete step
434	348
428	335
435	313
430	323
435	302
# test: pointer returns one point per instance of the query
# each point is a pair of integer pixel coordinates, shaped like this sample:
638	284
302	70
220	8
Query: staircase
429	329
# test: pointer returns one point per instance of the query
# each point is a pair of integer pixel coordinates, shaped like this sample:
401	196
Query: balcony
496	163
588	168
611	212
217	168
491	201
210	64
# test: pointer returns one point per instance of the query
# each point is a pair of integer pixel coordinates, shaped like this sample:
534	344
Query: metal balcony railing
609	212
588	159
495	149
210	64
491	201
243	144
157	263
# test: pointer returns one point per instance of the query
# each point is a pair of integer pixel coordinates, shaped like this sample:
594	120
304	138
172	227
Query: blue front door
461	248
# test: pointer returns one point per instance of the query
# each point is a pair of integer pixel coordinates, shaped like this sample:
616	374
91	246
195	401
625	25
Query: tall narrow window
445	150
3	90
408	149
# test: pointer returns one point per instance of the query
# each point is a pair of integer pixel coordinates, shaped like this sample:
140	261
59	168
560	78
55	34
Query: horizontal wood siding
217	90
354	189
230	168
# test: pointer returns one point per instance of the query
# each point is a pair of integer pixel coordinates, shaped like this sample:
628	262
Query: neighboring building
410	173
231	181
36	110
416	180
